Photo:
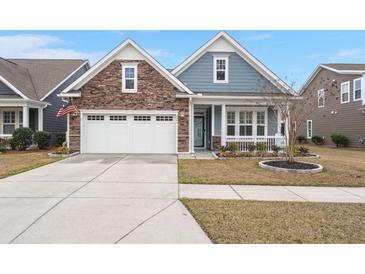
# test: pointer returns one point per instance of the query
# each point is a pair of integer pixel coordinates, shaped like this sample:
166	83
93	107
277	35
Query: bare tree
294	109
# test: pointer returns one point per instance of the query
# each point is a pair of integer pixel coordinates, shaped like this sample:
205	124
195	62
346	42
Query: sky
292	55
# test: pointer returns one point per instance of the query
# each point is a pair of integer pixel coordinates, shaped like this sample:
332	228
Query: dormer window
220	73
129	78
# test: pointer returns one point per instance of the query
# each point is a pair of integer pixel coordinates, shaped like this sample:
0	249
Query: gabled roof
36	78
354	69
241	51
107	59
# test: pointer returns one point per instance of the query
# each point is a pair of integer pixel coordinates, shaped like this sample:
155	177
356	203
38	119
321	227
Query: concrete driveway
114	198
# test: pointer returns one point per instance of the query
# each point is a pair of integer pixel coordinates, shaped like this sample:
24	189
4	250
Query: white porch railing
243	143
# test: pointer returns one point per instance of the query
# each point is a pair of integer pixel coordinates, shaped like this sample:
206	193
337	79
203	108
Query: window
357	89
95	118
345	92
220	69
129	78
142	118
260	121
20	118
321	98
246	123
164	118
231	123
8	122
309	129
118	118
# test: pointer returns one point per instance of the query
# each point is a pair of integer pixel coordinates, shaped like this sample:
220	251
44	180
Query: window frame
354	91
321	94
348	91
245	124
8	123
234	124
135	78
311	129
254	124
215	59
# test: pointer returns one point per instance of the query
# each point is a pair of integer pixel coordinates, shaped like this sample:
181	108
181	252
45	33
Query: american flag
69	108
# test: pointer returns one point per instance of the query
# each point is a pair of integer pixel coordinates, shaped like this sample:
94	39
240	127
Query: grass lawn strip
240	222
342	167
15	162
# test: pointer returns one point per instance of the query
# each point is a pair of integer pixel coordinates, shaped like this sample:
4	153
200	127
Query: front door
199	129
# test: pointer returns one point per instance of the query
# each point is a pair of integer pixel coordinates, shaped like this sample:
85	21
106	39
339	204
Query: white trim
107	59
311	129
223	125
261	68
22	102
121	111
342	84
69	95
321	94
64	80
353	89
226	70
135	78
243	97
13	88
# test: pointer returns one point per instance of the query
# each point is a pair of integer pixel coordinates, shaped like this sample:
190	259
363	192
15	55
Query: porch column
212	117
223	125
192	128
25	116
40	119
363	89
278	114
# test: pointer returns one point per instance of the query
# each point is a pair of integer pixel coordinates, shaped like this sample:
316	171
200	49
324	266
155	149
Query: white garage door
128	133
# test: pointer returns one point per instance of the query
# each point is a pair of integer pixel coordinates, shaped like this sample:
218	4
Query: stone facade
216	142
155	92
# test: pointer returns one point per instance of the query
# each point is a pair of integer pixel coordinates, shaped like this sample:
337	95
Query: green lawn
14	162
342	167
240	222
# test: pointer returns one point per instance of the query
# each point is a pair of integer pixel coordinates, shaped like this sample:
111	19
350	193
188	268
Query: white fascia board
107	59
64	80
248	57
69	95
344	71
17	91
141	111
23	102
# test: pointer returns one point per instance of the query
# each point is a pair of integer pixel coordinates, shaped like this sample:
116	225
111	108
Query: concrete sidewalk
274	193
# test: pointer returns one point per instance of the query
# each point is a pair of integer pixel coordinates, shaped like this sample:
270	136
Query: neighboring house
28	93
129	103
338	92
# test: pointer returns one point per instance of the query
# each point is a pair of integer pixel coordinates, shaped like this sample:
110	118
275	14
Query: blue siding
242	76
51	123
5	90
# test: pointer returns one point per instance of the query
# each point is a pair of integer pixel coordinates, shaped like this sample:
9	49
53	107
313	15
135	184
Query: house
28	93
339	94
129	103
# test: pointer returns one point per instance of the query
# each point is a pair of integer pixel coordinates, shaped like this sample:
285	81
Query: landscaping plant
318	140
60	138
301	139
340	140
22	138
42	139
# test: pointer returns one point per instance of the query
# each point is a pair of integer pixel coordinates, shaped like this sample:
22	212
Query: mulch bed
289	165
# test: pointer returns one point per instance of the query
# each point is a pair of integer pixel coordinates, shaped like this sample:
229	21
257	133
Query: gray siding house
28	93
338	94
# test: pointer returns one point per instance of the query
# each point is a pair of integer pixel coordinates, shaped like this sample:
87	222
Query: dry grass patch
14	162
240	222
342	167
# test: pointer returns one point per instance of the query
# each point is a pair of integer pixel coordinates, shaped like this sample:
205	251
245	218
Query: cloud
42	47
258	37
350	53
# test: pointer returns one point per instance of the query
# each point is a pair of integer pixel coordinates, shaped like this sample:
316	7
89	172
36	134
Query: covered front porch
244	124
20	113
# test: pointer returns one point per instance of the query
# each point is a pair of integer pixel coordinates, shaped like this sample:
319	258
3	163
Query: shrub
301	150
251	148
60	138
2	148
63	150
318	140
22	138
301	139
276	149
12	143
339	140
230	147
42	139
261	147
